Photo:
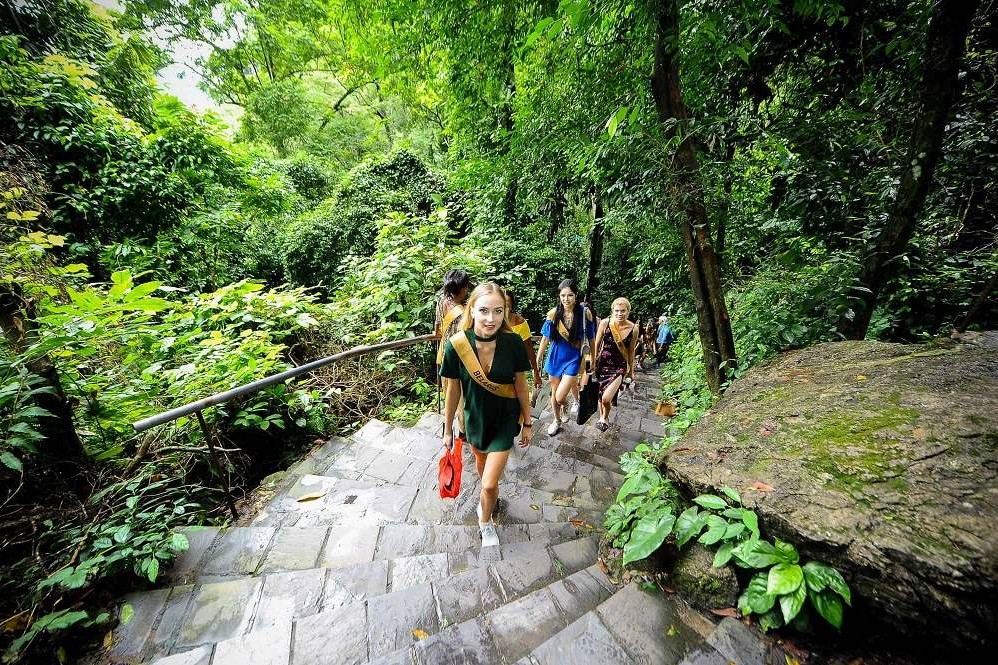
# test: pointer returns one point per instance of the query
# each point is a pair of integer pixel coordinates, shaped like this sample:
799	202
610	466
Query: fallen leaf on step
861	377
310	497
725	612
577	523
761	487
534	506
420	634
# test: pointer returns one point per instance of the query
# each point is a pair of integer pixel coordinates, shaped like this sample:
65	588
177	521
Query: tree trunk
558	204
722	217
983	297
944	48
595	249
705	275
16	321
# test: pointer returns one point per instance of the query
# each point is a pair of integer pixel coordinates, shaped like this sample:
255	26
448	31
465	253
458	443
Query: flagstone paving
356	559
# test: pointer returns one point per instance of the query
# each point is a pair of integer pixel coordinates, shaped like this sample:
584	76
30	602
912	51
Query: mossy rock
882	460
699	583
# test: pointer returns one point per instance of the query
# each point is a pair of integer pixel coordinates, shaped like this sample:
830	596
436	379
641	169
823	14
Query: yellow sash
563	331
470	361
619	341
448	319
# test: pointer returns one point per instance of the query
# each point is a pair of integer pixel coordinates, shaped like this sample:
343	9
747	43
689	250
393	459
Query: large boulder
880	459
699	583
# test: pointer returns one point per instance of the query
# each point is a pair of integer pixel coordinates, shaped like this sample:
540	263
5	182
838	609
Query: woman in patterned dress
616	340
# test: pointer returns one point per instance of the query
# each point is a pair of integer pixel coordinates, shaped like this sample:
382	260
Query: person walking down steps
488	362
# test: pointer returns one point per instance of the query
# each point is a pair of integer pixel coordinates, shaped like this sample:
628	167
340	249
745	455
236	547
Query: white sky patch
180	78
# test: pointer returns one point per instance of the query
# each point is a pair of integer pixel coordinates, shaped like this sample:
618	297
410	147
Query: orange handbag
449	470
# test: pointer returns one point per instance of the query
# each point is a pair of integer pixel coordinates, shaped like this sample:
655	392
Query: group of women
484	355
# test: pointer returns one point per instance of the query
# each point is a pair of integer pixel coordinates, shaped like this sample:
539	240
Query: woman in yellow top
520	326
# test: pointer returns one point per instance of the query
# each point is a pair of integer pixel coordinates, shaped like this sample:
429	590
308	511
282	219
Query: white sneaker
574	409
490	537
554	427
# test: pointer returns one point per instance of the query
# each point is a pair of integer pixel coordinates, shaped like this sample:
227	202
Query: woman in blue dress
565	332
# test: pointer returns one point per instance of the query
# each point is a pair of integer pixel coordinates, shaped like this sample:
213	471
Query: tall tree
713	322
944	49
595	247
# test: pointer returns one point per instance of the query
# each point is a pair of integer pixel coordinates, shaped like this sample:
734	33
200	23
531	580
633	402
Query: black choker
484	339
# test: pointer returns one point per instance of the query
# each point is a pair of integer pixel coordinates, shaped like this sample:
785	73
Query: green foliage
384	296
315	245
643	515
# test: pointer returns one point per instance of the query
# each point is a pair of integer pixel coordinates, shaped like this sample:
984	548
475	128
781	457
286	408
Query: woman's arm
600	332
452	395
529	345
526	417
633	349
539	360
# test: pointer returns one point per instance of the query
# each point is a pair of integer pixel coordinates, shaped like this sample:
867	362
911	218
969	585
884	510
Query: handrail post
213	456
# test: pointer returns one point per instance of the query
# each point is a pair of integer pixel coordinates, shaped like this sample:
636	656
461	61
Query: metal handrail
219	398
259	384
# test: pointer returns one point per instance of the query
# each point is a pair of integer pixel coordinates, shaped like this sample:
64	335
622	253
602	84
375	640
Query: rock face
701	584
880	459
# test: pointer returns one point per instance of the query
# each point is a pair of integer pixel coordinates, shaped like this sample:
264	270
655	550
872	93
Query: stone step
541	468
408	450
598	449
381	624
327	500
511	630
209	611
631	627
240	551
745	645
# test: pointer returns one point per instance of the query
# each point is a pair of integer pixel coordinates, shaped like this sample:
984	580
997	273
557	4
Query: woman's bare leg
555	382
495	464
560	392
606	399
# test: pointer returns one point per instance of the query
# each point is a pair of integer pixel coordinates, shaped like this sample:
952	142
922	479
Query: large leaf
723	554
756	554
648	534
10	461
751	520
733	530
731	494
820	576
688	525
179	542
638	483
784	578
757	598
828	605
711	501
786	552
791	603
716	526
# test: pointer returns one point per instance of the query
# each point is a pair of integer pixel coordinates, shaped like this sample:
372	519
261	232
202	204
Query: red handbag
449	470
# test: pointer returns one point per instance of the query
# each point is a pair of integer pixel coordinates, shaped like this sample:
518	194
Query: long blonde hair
485	289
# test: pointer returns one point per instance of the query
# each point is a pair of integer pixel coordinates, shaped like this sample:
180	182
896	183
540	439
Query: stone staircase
356	559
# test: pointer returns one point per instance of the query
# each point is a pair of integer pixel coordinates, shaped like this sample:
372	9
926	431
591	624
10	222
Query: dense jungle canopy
769	173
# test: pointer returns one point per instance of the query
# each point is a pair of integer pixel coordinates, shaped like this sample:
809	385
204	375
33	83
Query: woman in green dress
488	363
